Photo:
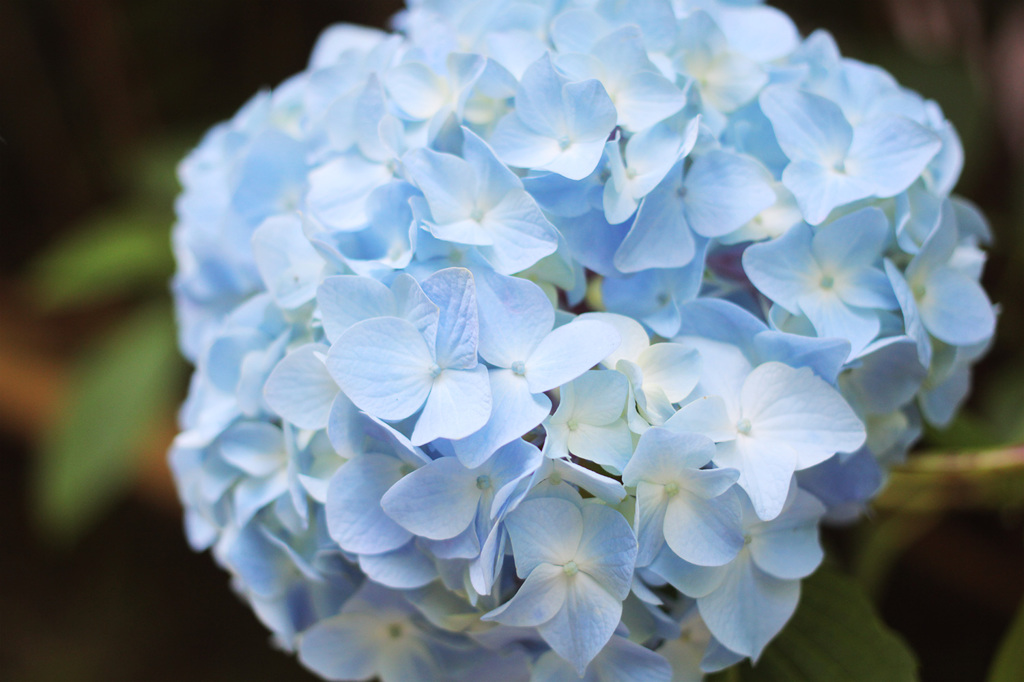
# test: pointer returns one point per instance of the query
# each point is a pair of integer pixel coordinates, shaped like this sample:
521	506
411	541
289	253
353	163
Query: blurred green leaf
116	253
1009	662
121	388
883	542
834	636
124	250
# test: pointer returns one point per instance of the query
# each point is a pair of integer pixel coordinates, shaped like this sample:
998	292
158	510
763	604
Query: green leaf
834	636
1008	665
119	391
116	253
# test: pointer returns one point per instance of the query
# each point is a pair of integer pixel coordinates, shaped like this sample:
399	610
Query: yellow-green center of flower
571	568
483	482
672	489
744	426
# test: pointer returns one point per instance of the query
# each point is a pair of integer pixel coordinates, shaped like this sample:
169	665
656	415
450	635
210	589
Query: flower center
434	370
571	568
572	424
483	482
744	426
395	630
827	282
477	214
519	368
672	489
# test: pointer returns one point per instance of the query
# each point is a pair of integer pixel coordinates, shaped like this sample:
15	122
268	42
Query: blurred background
101	98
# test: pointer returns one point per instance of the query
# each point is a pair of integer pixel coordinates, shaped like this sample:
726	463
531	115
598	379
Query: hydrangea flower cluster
536	340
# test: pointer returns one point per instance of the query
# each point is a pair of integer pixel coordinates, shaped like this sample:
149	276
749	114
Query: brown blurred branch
981	479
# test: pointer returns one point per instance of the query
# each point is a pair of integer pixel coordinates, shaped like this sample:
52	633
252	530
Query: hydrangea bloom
537	333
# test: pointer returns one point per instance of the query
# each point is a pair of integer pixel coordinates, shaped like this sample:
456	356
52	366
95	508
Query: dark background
91	89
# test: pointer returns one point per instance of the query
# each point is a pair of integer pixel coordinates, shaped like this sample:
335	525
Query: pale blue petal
257	448
454	292
646	98
708	416
347	299
724	191
607	444
413	305
342	648
510	465
288	263
515	315
749	608
384	367
519	233
795	407
831	317
784	269
808	127
607	549
405	568
709	483
519	145
493	178
593	241
537	600
853	242
339	189
704	532
766	469
911	316
620	661
590	115
819	189
355	519
602	487
569	351
719	320
660	236
890	153
663	455
514	411
458	405
252	494
671	367
579	158
599	396
437	501
535	540
539	99
887	378
300	388
788	546
825	356
345	427
635	339
955	309
651	504
585	623
690	579
417	90
448	183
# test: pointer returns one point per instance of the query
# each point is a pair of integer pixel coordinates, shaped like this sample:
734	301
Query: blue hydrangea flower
537	339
